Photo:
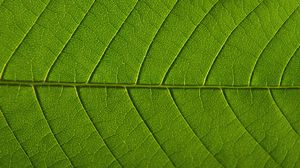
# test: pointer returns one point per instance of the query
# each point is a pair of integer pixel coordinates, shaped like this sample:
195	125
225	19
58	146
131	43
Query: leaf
140	83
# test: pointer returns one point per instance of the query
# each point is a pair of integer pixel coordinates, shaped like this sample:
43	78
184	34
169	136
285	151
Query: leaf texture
150	83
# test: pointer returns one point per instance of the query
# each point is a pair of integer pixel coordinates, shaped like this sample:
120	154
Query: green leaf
150	83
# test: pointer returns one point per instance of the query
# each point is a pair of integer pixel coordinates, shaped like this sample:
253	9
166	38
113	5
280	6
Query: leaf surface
150	83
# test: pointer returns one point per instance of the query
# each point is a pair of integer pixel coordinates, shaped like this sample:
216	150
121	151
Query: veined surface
150	83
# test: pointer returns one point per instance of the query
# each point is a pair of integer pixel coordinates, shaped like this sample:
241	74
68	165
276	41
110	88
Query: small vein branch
246	129
51	130
66	44
93	123
189	125
149	128
109	44
281	111
9	126
21	42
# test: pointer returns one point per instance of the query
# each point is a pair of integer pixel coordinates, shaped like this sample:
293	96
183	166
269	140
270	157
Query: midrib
124	85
